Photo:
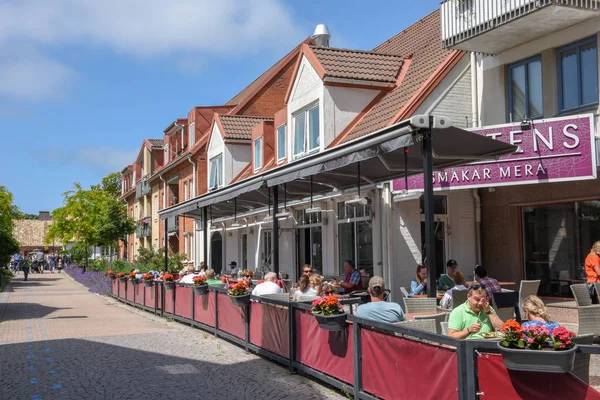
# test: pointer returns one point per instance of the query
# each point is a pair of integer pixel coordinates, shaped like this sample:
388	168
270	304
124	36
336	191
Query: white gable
216	141
307	81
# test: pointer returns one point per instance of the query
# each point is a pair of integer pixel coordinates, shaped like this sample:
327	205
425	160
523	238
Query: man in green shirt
473	317
447	281
210	278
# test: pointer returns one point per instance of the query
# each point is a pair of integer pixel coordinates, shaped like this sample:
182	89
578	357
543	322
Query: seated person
305	288
474	317
459	284
247	277
316	281
491	285
210	278
189	276
536	313
419	284
352	280
325	290
378	309
234	269
446	281
269	286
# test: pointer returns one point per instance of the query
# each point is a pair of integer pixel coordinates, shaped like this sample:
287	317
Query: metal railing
173	224
464	19
143	230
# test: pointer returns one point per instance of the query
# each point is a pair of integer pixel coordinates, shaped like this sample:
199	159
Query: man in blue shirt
353	280
378	309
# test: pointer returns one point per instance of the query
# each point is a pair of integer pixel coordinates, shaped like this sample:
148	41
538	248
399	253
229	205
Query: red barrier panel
122	286
204	308
159	296
114	287
499	383
328	352
268	328
230	317
169	301
149	299
392	365
130	290
139	293
183	301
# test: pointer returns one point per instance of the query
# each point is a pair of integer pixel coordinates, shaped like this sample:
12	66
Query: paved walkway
58	341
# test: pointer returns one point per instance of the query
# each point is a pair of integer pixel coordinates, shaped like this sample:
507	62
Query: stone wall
31	232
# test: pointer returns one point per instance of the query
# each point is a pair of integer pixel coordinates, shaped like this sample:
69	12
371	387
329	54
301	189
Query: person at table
305	288
446	281
419	284
306	271
592	269
352	280
459	284
474	317
247	277
378	309
210	277
234	269
491	284
269	286
537	314
326	290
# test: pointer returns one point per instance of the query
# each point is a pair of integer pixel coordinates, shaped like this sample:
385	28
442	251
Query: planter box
240	301
134	281
201	290
148	283
169	285
331	323
123	279
539	360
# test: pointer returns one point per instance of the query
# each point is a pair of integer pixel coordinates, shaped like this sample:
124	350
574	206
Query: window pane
534	74
299	131
589	74
257	154
568	63
365	247
313	120
220	171
345	244
213	173
518	93
316	251
342	214
281	142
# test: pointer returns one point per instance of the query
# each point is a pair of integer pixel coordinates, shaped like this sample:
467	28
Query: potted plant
121	276
200	285
329	314
132	278
239	294
148	280
168	281
536	348
111	274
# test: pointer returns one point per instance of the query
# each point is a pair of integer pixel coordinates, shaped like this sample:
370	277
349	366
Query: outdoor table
411	316
422	296
499	283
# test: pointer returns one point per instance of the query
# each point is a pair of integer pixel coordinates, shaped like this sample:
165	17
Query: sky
82	83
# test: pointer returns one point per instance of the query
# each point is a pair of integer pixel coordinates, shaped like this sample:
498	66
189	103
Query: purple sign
553	150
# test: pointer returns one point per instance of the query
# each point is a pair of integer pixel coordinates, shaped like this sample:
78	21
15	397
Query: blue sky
83	83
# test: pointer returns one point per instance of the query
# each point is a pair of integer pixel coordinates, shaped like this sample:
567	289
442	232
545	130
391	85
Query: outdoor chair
278	296
403	291
438	318
506	305
526	289
582	361
307	299
581	294
427	325
458	297
444	328
424	304
589	319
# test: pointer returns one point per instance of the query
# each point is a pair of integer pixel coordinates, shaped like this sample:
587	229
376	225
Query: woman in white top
459	280
305	288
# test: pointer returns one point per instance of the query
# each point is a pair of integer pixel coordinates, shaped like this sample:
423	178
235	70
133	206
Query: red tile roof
421	42
239	126
360	65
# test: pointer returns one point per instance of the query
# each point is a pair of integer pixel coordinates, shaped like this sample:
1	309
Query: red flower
147	277
168	277
111	272
199	280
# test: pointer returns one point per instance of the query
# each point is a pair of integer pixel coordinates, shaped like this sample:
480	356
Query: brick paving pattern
58	341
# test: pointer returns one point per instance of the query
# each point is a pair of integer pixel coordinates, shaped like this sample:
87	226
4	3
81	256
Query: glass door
440	245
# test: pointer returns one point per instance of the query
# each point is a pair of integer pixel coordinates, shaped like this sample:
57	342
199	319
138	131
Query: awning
381	156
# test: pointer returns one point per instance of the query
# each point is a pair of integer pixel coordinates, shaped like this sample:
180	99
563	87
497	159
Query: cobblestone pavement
58	341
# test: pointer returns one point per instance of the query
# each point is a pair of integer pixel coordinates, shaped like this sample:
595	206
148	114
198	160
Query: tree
8	212
111	184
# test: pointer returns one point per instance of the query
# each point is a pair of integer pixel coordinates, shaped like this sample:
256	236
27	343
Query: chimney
321	35
45	216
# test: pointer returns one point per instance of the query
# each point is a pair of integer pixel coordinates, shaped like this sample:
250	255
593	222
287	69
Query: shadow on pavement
82	369
27	310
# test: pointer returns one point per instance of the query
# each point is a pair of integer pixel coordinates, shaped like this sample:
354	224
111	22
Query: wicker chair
506	305
278	296
427	325
444	327
582	361
589	319
458	297
582	294
424	304
526	289
307	299
438	318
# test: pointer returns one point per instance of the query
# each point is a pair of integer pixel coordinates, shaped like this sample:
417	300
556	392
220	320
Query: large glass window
578	75
257	154
309	240
355	237
556	240
306	131
525	89
281	143
267	247
216	172
244	250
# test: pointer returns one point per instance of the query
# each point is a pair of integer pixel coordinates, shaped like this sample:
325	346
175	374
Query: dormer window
257	154
216	172
281	143
192	134
306	132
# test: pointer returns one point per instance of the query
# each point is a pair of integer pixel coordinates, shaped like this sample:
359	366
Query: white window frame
156	204
219	173
258	164
281	158
306	149
185	191
192	134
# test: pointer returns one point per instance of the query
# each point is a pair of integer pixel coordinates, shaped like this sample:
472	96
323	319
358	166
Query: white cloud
184	29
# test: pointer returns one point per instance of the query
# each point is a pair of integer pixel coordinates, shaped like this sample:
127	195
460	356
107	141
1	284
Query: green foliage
122	266
8	246
8	212
150	259
6	276
111	185
100	264
21	215
80	252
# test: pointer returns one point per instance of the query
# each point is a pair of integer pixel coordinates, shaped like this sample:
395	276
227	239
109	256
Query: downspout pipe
474	94
164	191
193	188
477	226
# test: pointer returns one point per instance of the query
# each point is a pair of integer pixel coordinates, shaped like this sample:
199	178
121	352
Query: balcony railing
143	230
172	225
511	20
